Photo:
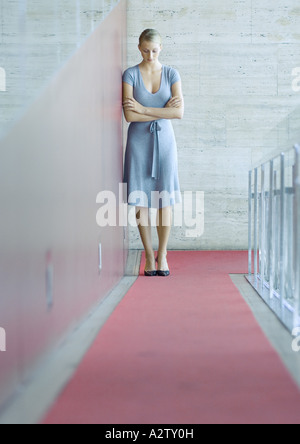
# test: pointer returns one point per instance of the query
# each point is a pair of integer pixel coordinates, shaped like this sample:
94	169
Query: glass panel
278	233
276	224
37	38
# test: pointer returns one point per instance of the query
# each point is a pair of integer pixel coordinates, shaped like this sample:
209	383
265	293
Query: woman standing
152	97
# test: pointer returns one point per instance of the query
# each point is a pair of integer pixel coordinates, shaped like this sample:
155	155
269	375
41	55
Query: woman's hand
130	104
175	102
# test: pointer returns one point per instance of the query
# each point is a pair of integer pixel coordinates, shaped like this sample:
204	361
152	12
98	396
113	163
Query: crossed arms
135	112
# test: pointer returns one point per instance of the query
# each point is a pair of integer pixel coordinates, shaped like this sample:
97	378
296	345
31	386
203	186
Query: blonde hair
150	35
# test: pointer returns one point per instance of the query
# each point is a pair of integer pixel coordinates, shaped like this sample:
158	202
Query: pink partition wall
59	156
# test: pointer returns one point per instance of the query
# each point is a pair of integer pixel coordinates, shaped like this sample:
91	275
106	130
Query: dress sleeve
128	77
174	76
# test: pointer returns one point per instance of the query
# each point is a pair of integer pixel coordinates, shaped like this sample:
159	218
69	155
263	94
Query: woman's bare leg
144	224
164	224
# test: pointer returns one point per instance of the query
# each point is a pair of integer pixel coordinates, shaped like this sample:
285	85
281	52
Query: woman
152	96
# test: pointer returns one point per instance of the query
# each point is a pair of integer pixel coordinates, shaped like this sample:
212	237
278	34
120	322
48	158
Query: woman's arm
174	108
130	115
135	112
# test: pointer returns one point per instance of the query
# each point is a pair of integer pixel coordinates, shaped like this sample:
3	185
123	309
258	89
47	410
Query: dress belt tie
154	129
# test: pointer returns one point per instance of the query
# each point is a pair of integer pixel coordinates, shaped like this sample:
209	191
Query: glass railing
36	38
274	234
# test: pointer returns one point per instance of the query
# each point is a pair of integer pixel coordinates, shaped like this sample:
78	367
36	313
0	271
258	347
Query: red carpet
182	350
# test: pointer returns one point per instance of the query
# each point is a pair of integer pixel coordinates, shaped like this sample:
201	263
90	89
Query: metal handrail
274	235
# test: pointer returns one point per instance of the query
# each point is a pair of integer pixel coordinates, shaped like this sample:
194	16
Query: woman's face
150	51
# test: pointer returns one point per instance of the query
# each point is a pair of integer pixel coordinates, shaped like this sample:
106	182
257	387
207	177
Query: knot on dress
154	129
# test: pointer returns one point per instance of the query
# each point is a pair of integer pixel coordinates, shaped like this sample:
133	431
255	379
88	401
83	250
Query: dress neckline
161	80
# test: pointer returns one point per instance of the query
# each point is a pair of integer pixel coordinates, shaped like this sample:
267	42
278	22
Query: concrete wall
36	39
57	158
236	59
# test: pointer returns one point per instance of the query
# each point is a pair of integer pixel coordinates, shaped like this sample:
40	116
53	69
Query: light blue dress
151	166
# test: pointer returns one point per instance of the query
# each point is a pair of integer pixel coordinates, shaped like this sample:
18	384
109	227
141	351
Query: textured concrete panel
238	70
36	39
193	21
275	21
236	59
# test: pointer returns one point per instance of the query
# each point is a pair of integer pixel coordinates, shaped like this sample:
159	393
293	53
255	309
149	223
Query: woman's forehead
150	45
